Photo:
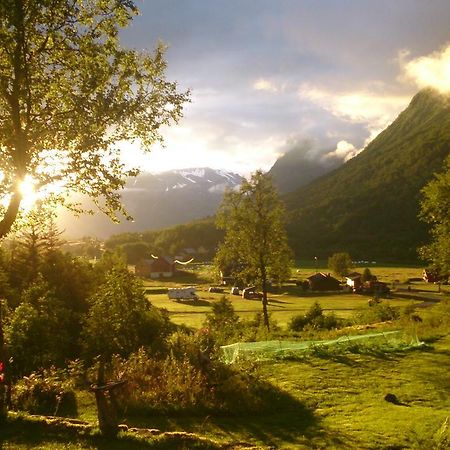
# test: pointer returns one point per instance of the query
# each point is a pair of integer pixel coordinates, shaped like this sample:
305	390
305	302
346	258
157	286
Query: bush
381	312
187	381
314	319
45	393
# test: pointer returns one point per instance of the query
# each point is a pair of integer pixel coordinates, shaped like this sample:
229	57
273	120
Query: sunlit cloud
344	151
429	71
261	84
360	106
185	147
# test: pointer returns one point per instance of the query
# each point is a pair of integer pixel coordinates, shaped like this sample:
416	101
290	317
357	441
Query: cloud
344	151
429	71
261	84
358	106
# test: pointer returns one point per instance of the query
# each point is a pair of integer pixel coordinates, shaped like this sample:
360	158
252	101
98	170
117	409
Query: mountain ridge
159	200
369	205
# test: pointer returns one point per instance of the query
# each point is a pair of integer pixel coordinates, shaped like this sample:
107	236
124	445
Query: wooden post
107	413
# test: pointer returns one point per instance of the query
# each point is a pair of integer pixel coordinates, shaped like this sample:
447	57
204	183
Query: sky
269	76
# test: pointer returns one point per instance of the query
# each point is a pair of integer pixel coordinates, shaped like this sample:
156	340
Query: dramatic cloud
344	152
429	71
268	72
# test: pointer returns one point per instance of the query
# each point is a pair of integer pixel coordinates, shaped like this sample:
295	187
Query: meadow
327	397
284	302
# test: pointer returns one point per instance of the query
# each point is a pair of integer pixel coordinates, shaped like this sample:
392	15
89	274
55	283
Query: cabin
354	280
323	282
157	267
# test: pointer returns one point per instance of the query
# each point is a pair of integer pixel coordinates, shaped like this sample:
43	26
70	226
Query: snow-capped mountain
160	200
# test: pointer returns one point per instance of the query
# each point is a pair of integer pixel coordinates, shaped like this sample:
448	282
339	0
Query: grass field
325	401
283	303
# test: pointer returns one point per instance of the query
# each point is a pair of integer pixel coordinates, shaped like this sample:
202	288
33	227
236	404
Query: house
354	280
157	267
323	282
432	276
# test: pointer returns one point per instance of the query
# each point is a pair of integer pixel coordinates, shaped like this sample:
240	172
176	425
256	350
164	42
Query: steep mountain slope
296	169
369	205
157	201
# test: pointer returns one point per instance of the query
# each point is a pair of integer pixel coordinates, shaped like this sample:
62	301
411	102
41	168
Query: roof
353	275
321	276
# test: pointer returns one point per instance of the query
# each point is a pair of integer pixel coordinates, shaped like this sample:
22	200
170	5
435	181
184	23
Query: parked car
250	293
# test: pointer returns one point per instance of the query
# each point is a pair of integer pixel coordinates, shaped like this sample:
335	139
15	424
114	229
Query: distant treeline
197	239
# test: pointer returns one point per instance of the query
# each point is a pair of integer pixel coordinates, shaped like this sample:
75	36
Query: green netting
275	349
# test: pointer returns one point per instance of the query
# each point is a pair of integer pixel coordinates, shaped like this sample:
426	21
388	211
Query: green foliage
121	319
380	312
366	275
255	243
185	382
435	209
340	263
136	251
223	322
38	334
369	205
170	384
45	392
69	93
171	241
314	319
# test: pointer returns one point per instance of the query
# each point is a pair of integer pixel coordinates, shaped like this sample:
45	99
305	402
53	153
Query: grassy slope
369	206
331	401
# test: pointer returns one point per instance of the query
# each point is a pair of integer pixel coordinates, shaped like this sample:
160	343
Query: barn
157	267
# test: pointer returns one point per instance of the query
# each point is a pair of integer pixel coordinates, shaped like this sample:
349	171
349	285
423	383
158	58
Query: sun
28	192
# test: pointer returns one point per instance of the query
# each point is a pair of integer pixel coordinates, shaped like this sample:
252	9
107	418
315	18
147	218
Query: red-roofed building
161	267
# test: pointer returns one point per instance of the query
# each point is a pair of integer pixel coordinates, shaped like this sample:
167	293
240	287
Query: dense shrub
381	312
314	319
45	392
190	379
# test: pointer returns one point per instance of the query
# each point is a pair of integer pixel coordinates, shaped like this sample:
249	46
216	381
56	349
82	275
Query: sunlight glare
29	195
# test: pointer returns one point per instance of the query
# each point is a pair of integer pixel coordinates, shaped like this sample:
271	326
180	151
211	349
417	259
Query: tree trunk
264	304
10	215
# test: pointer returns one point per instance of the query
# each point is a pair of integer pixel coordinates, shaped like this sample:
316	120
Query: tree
255	242
69	94
121	319
37	240
435	210
367	275
340	263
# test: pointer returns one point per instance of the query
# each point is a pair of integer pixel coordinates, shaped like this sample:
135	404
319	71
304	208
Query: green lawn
282	306
283	303
327	401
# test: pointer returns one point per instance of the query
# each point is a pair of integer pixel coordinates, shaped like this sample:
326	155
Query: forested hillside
369	206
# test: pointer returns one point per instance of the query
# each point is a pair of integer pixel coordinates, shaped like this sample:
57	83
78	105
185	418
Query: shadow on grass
198	302
279	419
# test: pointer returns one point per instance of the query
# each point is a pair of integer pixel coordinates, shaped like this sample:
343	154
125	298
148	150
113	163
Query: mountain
158	201
297	168
369	205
